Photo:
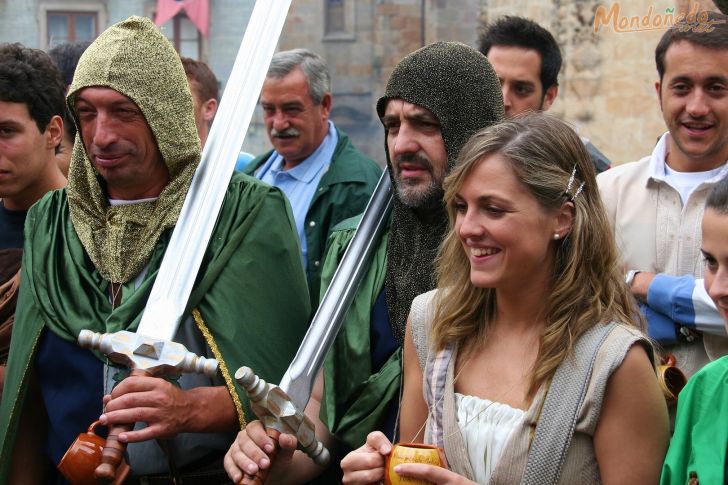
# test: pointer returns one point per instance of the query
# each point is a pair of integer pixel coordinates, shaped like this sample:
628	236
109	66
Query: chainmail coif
134	58
458	85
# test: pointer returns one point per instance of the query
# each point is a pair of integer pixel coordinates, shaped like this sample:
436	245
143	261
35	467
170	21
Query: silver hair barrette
570	183
571	180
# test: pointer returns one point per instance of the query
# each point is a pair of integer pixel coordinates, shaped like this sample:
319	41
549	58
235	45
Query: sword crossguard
157	357
276	411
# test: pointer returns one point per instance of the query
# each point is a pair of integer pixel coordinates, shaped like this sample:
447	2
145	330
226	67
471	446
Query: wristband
629	277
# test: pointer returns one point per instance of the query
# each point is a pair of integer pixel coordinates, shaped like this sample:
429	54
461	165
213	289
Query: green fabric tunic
251	292
355	398
700	441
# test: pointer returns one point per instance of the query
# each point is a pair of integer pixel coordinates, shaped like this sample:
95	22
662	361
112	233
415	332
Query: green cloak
700	441
250	291
355	400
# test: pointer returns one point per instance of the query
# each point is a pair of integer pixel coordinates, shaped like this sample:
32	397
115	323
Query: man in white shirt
656	204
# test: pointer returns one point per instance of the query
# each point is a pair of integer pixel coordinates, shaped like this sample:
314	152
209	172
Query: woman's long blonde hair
587	287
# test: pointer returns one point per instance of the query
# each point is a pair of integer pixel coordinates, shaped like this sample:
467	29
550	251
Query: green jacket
700	441
343	192
355	399
250	292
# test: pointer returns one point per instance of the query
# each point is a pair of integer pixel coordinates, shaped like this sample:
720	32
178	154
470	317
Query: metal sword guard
136	351
276	410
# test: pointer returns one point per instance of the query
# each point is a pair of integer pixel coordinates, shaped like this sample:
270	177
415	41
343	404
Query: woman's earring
556	236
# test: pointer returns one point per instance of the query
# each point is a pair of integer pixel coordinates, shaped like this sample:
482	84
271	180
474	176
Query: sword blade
298	380
168	298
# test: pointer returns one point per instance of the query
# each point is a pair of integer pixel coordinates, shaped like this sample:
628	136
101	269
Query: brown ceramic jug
83	456
671	379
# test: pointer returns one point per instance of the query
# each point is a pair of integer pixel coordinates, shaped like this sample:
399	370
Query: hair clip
571	180
578	191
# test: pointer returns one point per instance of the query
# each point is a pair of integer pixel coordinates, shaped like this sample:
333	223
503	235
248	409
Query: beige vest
580	465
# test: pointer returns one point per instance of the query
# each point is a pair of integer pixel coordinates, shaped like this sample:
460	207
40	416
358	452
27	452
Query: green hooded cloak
250	291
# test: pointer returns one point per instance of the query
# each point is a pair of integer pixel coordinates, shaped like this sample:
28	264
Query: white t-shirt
686	182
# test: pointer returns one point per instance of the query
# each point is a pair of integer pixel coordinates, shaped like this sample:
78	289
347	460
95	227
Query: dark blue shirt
71	382
383	345
11	227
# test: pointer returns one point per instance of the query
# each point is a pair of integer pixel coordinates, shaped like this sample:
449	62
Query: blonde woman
527	274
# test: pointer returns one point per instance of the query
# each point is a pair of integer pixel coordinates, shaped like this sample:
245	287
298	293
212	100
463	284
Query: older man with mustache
325	178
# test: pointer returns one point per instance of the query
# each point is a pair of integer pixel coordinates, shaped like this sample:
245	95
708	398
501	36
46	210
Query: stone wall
606	84
379	33
15	23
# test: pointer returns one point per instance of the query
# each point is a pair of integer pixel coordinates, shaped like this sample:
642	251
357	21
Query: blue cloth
300	182
71	383
659	327
11	227
673	297
244	159
383	345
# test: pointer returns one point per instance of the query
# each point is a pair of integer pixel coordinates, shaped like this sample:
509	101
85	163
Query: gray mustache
287	133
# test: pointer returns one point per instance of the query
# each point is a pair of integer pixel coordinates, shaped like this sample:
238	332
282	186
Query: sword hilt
277	412
158	357
145	357
113	452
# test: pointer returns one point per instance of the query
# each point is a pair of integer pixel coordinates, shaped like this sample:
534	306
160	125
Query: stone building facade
606	84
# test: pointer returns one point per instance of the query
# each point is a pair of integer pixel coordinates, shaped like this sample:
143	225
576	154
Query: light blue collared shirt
300	182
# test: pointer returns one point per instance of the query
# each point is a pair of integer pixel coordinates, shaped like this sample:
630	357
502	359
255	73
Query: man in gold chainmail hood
92	254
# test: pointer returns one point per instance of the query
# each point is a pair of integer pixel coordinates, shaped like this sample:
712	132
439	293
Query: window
70	27
335	22
339	20
184	36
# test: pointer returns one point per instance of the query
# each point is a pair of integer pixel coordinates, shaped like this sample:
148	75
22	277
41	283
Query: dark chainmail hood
458	85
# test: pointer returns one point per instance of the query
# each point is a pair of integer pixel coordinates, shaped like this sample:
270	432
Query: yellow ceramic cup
412	453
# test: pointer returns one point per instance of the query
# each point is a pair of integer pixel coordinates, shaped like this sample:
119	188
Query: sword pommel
94	340
318	453
199	365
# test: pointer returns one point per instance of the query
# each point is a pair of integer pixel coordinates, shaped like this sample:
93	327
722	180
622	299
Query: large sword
151	351
281	408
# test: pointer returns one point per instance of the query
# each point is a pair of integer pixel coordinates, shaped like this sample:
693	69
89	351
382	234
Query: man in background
32	106
527	60
204	89
325	178
66	56
656	204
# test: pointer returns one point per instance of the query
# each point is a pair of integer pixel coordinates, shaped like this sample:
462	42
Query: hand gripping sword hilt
276	410
144	356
